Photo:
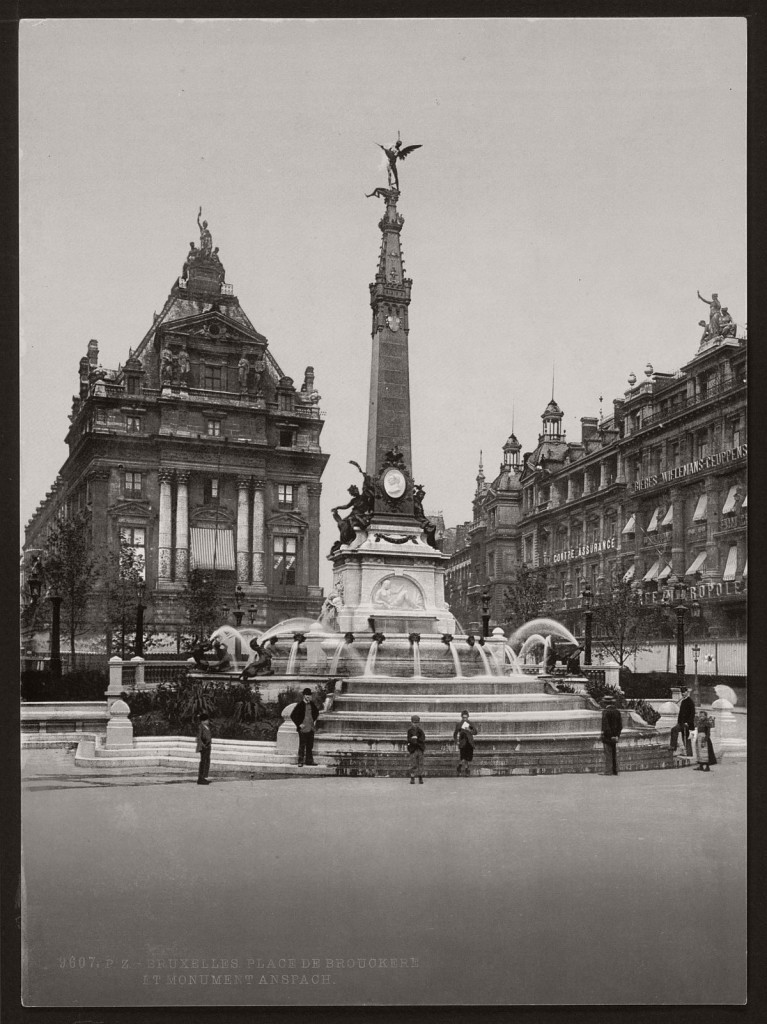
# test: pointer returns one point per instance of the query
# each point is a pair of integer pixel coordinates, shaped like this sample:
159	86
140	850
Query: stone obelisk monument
388	573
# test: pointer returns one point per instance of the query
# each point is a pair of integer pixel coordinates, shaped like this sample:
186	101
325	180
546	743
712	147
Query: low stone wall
62	722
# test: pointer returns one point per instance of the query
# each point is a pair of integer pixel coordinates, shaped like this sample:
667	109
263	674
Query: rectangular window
133	424
285	495
132	484
284	560
131	385
213	378
286	439
133	550
211	489
213	428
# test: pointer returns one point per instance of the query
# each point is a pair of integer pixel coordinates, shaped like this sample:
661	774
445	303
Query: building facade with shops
198	452
655	494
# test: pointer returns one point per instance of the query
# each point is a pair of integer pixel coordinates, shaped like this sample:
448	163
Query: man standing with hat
685	721
304	715
612	724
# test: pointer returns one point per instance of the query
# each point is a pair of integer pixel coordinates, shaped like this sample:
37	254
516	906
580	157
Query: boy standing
204	741
416	745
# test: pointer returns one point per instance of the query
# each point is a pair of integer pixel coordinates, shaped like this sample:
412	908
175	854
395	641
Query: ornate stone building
199	452
656	492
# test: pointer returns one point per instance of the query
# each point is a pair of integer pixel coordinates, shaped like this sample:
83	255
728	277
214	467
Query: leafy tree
625	625
525	597
124	571
200	595
72	569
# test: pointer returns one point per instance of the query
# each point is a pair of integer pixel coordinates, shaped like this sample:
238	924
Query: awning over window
654	521
652	572
729	503
700	509
745	502
630	526
668	519
697	565
732	564
745	569
629	575
212	548
665	571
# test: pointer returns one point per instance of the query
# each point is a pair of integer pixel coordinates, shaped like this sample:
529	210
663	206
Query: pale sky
579	181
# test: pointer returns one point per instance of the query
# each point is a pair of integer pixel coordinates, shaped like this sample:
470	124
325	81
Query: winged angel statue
395	153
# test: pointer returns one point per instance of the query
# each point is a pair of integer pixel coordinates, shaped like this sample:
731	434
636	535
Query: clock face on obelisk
393	322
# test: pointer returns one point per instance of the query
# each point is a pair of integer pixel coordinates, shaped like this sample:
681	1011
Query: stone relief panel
397	592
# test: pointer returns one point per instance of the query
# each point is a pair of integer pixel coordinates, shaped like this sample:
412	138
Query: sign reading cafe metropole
689	468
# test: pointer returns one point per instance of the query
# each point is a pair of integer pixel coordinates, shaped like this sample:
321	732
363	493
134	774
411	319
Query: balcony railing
686	402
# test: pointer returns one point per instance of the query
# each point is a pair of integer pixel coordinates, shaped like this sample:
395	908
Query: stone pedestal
119	728
287	734
724	736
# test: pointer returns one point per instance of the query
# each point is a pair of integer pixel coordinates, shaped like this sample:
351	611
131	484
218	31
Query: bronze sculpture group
720	323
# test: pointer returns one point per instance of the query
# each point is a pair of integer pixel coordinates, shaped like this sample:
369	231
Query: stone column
603	474
164	532
677	533
242	530
182	527
302	548
314	491
258	530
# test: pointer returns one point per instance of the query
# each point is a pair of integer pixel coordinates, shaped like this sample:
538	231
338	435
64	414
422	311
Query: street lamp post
55	597
680	610
695	688
238	611
140	590
587	615
485	614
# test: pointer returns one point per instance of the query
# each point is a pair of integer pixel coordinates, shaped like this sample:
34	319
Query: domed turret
511	451
552	421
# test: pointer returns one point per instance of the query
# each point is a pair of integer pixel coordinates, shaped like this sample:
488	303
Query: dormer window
213	380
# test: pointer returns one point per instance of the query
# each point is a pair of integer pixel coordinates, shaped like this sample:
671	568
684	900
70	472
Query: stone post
115	680
723	735
138	673
287	734
119	727
182	527
494	645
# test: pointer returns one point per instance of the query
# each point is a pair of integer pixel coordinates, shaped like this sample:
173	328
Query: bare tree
625	626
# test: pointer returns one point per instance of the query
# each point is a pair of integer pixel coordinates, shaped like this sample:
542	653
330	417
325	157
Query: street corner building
198	452
654	494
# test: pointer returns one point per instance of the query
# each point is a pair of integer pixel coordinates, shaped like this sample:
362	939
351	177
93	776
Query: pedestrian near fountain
686	721
704	748
204	742
304	715
464	734
416	745
612	726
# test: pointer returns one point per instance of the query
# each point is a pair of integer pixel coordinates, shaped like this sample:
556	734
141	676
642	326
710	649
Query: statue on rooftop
715	309
206	239
183	365
727	326
393	154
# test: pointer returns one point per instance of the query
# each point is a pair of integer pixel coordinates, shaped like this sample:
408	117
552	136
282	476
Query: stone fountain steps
475	703
417	687
228	757
368	724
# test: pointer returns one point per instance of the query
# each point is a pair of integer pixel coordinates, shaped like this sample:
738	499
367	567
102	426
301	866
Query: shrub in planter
596	689
566	688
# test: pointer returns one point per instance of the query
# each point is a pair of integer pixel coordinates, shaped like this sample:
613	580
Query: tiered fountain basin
525	724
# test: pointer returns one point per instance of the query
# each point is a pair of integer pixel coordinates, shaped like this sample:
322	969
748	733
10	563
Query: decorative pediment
284	520
212	327
211	515
132	509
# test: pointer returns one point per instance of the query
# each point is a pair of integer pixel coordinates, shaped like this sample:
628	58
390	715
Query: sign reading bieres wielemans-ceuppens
690	468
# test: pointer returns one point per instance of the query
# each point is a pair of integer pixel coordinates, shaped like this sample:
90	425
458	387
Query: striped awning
700	509
630	574
665	571
630	526
668	519
212	548
652	572
729	502
732	564
654	521
745	502
697	565
745	569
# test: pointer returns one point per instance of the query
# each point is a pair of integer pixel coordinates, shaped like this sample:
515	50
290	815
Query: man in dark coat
612	725
304	715
204	741
685	719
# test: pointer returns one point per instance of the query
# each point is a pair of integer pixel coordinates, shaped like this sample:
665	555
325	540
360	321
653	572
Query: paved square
552	889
